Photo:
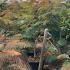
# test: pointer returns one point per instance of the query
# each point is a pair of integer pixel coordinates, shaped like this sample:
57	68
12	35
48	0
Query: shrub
12	60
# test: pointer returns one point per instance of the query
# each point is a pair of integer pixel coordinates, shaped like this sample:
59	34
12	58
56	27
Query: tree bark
42	50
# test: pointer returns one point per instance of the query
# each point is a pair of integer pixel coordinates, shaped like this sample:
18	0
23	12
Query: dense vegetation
29	19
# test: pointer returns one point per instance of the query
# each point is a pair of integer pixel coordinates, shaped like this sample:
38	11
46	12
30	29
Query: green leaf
51	48
62	42
51	59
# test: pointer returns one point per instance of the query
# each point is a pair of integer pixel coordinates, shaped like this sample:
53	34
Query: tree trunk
35	48
42	50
